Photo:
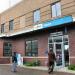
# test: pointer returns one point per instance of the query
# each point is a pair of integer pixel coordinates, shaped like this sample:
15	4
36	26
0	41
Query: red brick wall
42	47
1	47
19	46
5	60
72	46
72	61
42	44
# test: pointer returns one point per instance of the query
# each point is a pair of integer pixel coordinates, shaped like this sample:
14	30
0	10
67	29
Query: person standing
14	62
51	60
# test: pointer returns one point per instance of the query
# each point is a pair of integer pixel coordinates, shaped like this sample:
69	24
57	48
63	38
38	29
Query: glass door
59	53
60	46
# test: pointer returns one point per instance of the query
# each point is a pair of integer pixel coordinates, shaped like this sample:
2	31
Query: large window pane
53	11
11	25
28	46
7	49
2	28
34	46
36	16
31	48
58	8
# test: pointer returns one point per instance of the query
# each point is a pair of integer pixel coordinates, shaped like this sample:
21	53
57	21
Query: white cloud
5	4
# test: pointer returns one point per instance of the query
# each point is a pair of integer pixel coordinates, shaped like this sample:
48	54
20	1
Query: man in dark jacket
14	62
51	60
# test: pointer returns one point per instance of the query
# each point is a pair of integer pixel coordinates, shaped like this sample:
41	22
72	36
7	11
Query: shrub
36	63
33	63
28	64
71	67
24	62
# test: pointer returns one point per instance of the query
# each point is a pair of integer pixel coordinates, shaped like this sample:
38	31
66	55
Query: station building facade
32	27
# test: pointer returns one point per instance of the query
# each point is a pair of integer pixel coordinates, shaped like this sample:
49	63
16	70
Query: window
56	9
11	25
2	28
7	49
36	16
31	48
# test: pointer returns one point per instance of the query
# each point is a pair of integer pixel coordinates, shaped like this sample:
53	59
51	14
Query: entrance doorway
58	50
60	46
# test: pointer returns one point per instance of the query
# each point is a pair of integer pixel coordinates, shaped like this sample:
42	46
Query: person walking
14	62
51	60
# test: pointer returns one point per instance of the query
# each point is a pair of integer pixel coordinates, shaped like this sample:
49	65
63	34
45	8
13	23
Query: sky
5	4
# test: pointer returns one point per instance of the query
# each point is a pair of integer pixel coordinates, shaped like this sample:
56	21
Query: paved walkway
6	70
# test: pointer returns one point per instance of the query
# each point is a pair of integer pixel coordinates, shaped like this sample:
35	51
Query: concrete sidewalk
4	69
65	69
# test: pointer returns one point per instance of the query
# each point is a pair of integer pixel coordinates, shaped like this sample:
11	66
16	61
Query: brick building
33	26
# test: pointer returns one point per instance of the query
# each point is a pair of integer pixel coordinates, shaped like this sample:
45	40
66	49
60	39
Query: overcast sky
5	4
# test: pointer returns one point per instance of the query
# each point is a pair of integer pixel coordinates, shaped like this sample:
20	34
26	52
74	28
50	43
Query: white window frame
3	28
36	15
56	9
11	28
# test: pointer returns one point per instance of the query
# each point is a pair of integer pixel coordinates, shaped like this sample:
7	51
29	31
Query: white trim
28	57
36	27
5	57
73	18
39	26
72	57
2	35
20	32
35	57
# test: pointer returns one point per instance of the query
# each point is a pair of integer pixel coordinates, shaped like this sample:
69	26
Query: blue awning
59	21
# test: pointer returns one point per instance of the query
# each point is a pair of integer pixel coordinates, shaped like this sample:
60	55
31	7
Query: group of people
17	59
51	60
